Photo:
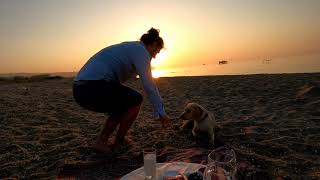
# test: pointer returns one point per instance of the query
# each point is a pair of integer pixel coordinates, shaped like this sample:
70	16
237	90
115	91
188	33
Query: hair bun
153	32
151	37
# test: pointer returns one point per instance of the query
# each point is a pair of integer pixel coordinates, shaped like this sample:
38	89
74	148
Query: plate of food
170	171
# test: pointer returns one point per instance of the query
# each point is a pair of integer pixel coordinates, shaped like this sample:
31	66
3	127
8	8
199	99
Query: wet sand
271	121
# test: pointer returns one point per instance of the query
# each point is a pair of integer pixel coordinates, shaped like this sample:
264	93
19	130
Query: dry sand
271	121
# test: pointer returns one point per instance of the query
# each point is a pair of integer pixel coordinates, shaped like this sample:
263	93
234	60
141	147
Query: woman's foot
118	144
126	141
100	147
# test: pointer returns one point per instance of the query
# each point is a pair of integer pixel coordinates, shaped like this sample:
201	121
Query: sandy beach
271	121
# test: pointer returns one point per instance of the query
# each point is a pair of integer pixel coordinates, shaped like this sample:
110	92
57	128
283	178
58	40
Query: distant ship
266	61
223	62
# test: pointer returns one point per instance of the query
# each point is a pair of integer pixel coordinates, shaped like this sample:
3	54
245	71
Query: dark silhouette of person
98	86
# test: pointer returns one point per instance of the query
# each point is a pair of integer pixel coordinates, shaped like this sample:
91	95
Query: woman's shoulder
124	46
133	49
132	43
136	46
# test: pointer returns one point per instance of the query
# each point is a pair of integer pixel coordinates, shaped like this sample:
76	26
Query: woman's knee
137	98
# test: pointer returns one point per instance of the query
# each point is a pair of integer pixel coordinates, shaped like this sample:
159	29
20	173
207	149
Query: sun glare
159	58
156	73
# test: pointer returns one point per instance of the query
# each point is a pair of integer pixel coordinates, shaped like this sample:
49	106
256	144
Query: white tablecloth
164	169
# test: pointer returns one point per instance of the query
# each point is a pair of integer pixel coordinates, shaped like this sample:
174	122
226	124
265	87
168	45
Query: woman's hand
165	121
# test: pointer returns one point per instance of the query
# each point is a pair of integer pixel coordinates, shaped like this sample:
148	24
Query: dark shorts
105	97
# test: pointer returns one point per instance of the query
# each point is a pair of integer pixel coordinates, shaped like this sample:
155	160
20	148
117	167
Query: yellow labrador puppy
203	121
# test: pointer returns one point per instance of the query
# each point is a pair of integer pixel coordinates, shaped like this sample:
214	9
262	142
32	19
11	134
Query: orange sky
60	36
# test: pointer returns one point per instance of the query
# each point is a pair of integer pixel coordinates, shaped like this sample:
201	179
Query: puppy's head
192	111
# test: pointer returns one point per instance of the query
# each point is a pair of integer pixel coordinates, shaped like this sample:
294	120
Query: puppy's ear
186	103
198	111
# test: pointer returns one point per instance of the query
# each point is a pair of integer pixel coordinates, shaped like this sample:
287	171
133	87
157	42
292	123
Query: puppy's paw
185	126
182	128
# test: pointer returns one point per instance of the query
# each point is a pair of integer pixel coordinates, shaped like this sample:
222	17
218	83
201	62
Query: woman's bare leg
108	128
125	124
126	119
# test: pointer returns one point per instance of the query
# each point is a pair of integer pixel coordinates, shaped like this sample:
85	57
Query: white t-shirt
120	62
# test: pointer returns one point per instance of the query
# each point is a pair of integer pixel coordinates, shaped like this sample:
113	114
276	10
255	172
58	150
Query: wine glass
221	164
